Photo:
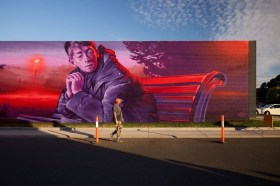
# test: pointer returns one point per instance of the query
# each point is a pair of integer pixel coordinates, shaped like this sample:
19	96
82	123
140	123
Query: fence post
96	130
222	129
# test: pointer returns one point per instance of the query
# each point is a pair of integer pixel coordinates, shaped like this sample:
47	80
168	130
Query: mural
158	81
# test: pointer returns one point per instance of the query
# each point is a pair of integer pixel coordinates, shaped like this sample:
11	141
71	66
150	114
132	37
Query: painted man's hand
77	82
68	87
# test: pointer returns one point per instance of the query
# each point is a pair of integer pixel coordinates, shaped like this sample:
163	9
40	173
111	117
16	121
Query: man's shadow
66	128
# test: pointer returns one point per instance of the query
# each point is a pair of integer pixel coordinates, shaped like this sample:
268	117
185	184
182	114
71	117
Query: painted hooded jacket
109	81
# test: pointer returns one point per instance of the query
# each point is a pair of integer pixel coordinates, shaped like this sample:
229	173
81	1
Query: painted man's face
84	57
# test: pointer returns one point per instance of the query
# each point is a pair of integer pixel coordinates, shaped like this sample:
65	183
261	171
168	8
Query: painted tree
152	54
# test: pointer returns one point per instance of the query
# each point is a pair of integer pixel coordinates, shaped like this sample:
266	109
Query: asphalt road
60	161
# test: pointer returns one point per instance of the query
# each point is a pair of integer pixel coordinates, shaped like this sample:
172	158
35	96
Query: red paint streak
174	79
230	94
29	100
173	89
176	110
175	98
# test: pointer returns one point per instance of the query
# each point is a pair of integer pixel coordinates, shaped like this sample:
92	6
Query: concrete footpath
262	132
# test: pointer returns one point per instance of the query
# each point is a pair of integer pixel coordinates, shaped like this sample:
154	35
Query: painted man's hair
69	45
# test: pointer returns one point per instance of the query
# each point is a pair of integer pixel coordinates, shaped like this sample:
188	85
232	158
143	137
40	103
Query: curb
262	132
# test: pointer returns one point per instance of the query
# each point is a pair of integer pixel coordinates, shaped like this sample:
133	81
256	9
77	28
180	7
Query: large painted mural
75	81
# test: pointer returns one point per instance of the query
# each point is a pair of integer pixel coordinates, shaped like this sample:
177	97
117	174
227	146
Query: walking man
118	118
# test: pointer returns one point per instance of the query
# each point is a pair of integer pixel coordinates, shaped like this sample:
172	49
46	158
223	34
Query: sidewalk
262	132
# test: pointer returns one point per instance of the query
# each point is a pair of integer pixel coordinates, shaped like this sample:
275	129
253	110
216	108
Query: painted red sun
36	63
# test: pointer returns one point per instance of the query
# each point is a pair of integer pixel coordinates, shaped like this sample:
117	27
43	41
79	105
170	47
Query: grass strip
244	123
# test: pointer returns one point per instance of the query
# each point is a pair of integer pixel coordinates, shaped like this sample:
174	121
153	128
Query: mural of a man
97	81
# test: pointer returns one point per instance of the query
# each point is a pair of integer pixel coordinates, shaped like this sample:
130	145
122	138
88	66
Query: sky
149	20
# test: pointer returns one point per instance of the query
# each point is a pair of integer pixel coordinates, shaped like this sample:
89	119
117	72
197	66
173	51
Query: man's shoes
119	140
111	137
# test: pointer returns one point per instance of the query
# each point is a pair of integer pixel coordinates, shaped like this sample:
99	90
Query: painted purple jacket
109	81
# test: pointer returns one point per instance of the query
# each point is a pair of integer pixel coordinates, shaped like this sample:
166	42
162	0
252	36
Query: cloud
163	14
257	20
221	20
182	14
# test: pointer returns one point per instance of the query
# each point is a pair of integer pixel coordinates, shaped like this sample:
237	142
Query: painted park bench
179	98
183	98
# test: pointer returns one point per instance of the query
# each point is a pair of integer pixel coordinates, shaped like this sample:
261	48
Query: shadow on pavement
212	140
5	122
162	134
71	130
227	124
57	161
222	175
267	174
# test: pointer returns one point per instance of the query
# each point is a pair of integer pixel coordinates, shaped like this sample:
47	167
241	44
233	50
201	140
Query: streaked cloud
221	20
181	14
163	14
258	20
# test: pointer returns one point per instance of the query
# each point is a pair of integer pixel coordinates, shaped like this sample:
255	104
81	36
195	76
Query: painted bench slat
183	98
